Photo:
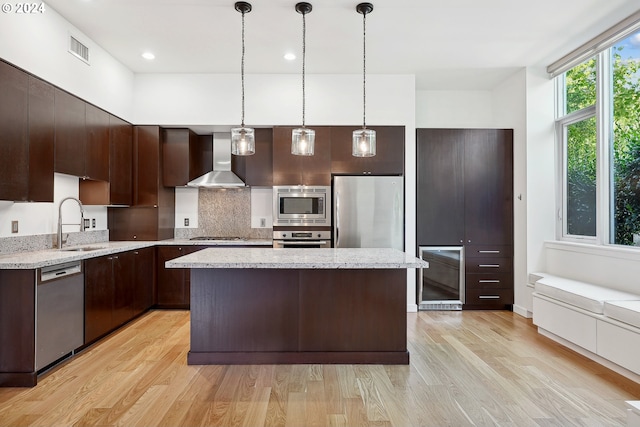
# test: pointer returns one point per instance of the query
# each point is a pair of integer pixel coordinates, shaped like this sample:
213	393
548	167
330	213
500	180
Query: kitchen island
281	306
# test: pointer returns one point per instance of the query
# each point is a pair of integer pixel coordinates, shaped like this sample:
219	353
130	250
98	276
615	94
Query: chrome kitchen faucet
60	224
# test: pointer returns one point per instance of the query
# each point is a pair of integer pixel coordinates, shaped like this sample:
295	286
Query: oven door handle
301	242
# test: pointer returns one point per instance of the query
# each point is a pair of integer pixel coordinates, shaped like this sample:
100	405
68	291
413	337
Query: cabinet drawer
488	251
488	265
489	281
489	297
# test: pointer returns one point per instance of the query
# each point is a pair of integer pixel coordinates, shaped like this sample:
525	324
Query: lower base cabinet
118	288
173	284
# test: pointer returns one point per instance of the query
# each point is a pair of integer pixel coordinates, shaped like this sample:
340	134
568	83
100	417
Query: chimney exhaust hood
221	175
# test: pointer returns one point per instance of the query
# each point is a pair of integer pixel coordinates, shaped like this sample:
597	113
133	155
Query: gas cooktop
233	239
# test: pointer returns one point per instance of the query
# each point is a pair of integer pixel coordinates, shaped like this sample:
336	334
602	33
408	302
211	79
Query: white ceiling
447	44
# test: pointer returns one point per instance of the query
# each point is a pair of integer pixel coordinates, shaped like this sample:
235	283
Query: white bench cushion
580	294
624	311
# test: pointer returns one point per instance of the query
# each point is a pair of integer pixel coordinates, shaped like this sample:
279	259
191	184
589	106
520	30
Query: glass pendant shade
364	143
243	141
303	141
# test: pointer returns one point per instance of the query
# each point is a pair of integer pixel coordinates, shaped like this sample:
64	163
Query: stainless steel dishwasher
59	312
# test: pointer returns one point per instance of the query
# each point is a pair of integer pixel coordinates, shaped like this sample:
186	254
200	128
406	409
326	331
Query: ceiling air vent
78	50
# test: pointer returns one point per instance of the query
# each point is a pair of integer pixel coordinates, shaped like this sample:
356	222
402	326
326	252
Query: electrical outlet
14	226
93	223
186	222
263	222
87	223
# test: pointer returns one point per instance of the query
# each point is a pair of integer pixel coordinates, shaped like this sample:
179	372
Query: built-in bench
598	322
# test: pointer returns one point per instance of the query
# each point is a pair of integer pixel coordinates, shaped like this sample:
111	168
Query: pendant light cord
304	52
364	70
242	70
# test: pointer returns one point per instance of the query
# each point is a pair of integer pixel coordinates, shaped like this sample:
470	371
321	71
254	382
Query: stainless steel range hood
221	175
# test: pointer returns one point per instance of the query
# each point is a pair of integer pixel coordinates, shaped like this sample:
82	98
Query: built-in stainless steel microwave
301	205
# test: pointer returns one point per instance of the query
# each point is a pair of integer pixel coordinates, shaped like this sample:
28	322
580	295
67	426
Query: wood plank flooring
469	368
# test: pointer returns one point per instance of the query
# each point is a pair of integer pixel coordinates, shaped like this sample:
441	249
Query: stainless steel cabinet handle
489	297
489	265
489	252
489	281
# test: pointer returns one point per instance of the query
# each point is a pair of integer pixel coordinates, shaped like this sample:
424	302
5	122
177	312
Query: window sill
620	252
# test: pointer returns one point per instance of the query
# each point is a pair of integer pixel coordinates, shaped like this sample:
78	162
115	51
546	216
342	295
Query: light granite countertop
306	258
44	258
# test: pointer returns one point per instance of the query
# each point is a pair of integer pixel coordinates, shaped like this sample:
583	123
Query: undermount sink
82	249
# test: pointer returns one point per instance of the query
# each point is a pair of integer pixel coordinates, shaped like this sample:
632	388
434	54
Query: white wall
509	110
454	109
39	44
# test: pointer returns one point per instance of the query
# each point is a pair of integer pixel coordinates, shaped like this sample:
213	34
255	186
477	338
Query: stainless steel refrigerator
368	212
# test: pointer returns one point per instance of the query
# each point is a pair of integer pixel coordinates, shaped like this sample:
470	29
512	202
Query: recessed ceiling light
289	56
148	55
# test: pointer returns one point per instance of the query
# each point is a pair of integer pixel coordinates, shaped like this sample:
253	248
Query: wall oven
302	239
301	205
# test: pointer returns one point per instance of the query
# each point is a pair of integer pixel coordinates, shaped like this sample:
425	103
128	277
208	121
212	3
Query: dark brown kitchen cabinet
96	143
70	134
301	170
117	188
186	156
109	293
27	137
257	170
14	102
17	328
465	198
152	214
389	158
41	140
173	284
144	282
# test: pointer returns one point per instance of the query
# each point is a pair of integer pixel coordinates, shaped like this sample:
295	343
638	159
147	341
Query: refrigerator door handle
337	220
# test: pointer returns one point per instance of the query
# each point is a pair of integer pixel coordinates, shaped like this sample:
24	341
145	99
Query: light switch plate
14	226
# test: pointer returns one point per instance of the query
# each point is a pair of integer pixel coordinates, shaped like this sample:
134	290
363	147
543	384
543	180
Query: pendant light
364	140
303	139
243	141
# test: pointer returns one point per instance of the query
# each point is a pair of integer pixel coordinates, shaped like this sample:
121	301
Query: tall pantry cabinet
465	198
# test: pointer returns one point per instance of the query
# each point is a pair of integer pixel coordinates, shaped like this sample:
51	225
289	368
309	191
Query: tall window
625	150
598	127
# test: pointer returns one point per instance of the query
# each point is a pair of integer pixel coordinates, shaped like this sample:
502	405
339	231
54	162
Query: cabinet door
41	140
14	154
120	161
301	170
488	183
146	161
123	287
440	187
144	280
98	298
96	143
389	158
287	168
257	170
186	157
173	283
70	134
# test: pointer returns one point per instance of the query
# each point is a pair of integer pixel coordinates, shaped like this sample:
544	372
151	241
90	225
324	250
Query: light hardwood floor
467	369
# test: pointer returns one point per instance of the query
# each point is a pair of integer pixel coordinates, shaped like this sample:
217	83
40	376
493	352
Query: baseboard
412	308
522	311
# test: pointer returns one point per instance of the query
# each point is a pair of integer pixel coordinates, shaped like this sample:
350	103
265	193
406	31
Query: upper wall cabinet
71	134
26	139
289	169
389	158
257	170
117	188
186	156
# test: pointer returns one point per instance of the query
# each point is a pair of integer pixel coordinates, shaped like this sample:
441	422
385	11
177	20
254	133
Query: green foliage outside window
625	152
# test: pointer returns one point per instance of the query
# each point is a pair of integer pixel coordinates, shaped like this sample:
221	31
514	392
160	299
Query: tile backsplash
225	213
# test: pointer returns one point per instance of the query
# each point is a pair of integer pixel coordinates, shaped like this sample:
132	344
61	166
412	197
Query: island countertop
302	258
